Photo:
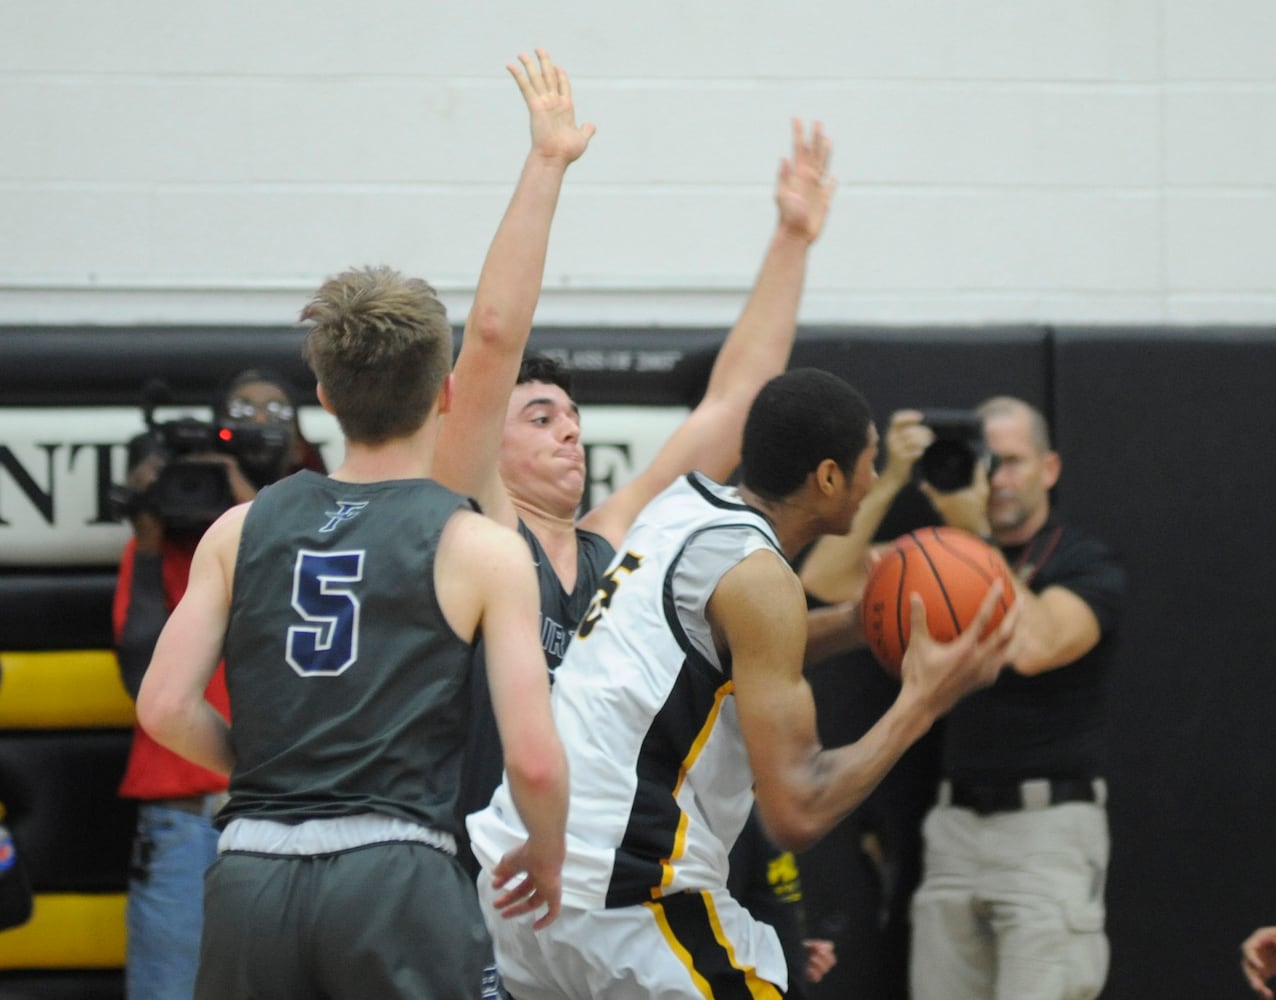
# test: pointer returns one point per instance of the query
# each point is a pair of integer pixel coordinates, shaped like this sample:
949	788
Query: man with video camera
182	475
1011	901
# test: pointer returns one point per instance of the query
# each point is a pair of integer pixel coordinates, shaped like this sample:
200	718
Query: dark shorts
387	920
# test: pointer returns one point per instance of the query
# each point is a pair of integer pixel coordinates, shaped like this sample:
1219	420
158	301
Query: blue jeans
165	913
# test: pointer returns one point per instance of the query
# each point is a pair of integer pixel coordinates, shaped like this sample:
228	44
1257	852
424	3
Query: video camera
189	494
958	449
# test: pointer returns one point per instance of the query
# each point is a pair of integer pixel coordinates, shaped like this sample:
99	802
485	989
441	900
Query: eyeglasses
274	411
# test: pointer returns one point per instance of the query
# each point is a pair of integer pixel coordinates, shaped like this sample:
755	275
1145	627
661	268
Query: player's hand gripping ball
951	569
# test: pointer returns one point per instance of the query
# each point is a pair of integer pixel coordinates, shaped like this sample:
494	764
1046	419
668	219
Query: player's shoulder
480	529
220	542
758	600
474	537
764	576
228	525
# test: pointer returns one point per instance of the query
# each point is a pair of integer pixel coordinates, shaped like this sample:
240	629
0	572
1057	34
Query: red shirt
154	772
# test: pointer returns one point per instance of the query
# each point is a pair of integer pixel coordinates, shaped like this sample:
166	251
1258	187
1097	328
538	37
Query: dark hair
799	419
542	368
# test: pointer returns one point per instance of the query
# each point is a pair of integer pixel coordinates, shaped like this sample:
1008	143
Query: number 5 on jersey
606	590
321	595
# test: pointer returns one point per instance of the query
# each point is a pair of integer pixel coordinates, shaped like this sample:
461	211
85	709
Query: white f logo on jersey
346	511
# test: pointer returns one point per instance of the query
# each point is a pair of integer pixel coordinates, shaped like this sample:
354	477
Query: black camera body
958	449
189	494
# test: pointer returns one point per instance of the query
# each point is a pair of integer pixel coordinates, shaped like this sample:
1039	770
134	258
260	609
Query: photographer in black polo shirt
1016	848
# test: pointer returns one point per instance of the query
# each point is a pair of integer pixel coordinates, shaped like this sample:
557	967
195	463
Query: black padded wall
1167	444
73	831
938	366
56	609
107	366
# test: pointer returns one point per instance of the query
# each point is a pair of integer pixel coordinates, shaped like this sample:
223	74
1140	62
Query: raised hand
805	188
945	672
965	508
906	439
548	93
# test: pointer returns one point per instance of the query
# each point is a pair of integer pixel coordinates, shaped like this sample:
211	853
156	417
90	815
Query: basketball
950	569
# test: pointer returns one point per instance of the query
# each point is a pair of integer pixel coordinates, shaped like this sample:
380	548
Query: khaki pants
1011	905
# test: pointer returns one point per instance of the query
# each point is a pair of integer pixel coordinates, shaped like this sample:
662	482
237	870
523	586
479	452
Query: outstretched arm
756	349
837	565
804	790
500	320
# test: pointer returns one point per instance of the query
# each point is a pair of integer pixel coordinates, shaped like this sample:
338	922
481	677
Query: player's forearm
191	729
538	784
760	343
832	630
510	282
841	778
873	509
208	743
1053	631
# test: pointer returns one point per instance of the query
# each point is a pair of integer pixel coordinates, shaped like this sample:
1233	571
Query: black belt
1037	794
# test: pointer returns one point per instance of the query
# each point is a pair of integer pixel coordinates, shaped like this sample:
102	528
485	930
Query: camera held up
958	449
189	493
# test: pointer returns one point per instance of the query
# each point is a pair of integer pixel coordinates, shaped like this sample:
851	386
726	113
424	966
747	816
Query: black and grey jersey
349	691
561	609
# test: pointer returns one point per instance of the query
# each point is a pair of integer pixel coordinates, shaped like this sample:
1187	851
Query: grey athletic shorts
383	920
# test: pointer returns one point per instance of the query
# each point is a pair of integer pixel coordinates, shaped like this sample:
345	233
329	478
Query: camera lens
189	496
948	465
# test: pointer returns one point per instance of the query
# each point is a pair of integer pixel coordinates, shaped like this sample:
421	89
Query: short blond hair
381	346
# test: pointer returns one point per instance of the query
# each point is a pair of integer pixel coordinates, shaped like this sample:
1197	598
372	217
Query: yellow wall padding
68	931
77	689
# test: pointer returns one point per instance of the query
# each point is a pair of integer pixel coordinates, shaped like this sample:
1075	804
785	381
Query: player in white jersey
659	758
682	696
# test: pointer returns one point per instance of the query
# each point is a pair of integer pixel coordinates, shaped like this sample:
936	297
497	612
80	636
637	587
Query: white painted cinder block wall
999	160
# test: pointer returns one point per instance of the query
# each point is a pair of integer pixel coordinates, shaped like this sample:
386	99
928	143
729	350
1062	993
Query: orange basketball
951	569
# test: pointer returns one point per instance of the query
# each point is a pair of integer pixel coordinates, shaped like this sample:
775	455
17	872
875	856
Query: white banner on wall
57	467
